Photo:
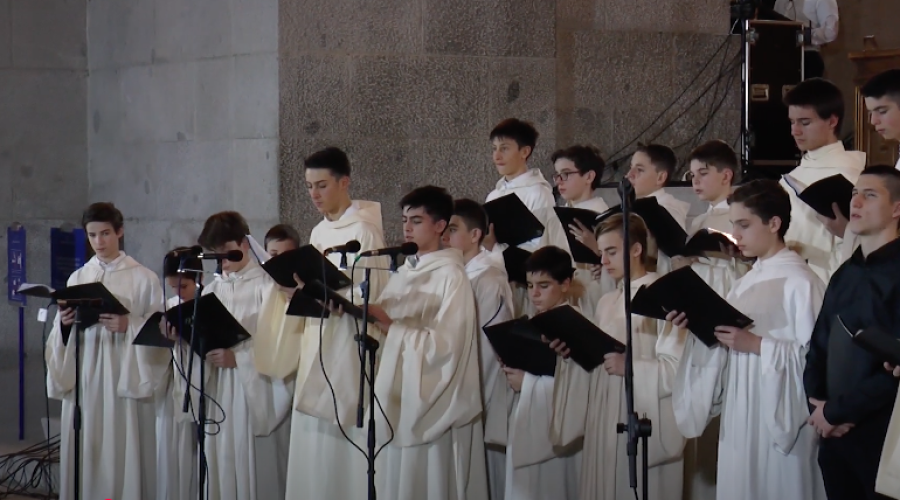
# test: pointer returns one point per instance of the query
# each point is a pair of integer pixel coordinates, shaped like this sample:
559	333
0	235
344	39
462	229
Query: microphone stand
76	424
637	429
367	348
197	346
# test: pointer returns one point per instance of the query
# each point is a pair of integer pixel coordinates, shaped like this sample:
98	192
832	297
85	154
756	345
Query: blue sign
68	252
15	251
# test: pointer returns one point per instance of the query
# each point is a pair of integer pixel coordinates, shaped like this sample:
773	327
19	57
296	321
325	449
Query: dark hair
436	201
281	232
520	131
330	158
103	212
586	159
221	228
661	157
172	263
889	175
717	154
637	232
821	95
766	199
473	214
886	84
552	260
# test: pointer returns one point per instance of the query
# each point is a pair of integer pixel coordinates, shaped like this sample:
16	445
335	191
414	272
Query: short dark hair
331	158
520	131
766	199
821	95
717	154
586	159
886	84
172	263
281	232
103	212
223	227
889	175
661	157
436	202
473	214
637	232
553	261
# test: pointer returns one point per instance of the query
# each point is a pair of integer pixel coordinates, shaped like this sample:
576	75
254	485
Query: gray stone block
199	179
120	33
645	16
107	112
49	179
525	89
375	26
254	26
255	170
255	98
49	34
192	30
418	98
159	102
6	36
700	16
490	28
128	175
215	94
314	96
463	166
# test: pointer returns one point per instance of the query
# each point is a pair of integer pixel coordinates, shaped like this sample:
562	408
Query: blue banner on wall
15	251
68	252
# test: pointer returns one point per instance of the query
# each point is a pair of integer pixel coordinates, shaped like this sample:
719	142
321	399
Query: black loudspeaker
774	51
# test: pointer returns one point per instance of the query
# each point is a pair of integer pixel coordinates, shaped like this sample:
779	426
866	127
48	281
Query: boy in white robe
590	405
535	469
117	380
322	355
754	377
816	111
494	303
246	452
428	381
281	238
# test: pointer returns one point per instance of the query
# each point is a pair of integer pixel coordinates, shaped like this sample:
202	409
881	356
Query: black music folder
305	306
587	343
684	291
217	328
317	291
670	236
821	194
87	315
307	262
151	335
875	340
567	216
513	223
514	259
709	241
518	344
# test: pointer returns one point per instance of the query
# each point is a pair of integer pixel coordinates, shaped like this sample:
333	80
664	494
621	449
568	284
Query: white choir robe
806	234
118	382
679	211
590	405
291	346
766	449
593	289
494	303
720	274
531	187
535	468
176	454
428	384
247	452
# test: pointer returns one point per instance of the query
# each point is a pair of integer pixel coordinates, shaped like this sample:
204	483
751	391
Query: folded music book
151	335
514	259
670	236
513	223
216	327
684	291
875	340
518	344
319	292
308	264
306	306
709	242
89	315
821	194
567	216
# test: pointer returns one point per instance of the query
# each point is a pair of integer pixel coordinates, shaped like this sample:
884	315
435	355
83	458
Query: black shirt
864	292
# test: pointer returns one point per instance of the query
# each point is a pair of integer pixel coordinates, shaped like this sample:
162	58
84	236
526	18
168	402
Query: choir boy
535	469
652	167
590	405
322	354
117	380
753	377
816	112
428	380
882	95
494	304
281	238
246	452
850	394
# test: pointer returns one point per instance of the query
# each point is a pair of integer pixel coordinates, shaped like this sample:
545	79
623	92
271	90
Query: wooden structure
868	63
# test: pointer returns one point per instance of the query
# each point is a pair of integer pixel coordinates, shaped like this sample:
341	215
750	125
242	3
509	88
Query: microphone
232	255
626	191
408	248
187	252
351	246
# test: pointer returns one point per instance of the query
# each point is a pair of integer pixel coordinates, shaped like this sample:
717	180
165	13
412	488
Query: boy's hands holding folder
559	346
